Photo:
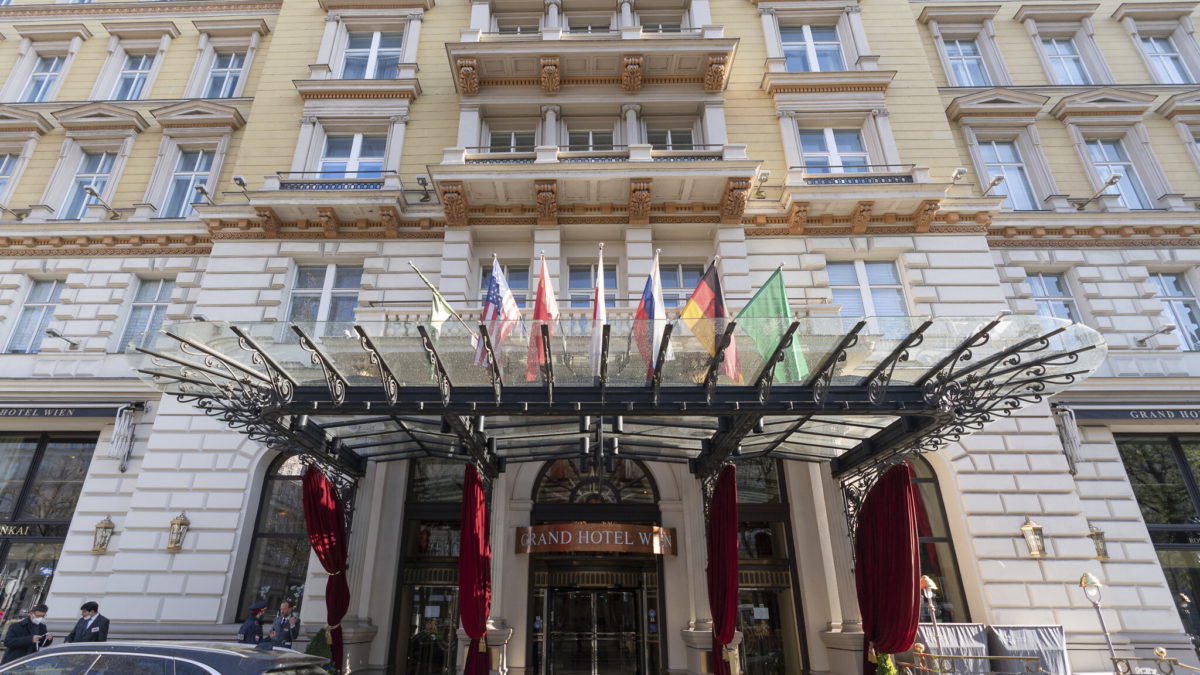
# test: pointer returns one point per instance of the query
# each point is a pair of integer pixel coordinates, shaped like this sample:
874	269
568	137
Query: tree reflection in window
279	550
563	482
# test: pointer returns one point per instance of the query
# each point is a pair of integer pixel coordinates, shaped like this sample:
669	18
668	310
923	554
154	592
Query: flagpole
452	312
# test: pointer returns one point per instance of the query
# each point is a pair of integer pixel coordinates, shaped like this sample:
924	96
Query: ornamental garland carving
797	217
733	203
925	214
546	197
551	77
631	73
639	201
860	217
468	76
454	202
714	72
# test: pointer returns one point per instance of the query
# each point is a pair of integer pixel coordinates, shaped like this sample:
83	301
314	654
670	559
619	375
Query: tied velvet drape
474	572
723	566
325	522
888	567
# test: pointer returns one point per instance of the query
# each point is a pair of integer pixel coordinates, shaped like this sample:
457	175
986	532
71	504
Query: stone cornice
16	120
231	27
52	32
999	102
1154	10
141	30
76	246
331	5
968	13
133	9
408	89
1063	12
809	83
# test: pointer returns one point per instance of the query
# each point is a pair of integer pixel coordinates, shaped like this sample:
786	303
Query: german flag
706	315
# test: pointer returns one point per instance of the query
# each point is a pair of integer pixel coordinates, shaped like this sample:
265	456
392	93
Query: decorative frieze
797	217
639	201
631	73
860	217
925	214
715	72
551	76
546	197
454	202
468	76
733	203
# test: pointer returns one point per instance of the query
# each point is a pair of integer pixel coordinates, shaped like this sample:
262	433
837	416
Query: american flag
500	313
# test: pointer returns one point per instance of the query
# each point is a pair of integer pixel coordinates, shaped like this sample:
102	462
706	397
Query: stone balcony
879	188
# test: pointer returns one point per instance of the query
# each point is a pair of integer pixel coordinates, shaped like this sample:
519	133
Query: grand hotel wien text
241	162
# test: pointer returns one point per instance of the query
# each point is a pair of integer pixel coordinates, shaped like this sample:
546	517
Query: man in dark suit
91	627
27	635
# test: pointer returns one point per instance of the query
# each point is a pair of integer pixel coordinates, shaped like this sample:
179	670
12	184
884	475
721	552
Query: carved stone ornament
925	214
389	217
546	196
270	221
329	221
714	72
454	202
860	217
551	75
639	201
631	73
797	217
468	76
733	203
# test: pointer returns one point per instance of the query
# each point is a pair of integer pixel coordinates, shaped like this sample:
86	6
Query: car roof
281	657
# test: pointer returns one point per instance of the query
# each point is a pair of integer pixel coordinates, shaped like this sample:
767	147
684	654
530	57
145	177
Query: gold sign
596	538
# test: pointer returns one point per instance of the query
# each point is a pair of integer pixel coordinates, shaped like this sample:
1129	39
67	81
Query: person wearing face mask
91	627
27	635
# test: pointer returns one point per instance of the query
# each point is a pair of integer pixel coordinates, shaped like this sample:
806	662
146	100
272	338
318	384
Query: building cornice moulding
141	30
334	5
1185	104
406	89
958	13
101	117
14	120
101	10
231	27
1107	101
195	114
820	83
1057	12
54	32
998	102
1154	11
76	246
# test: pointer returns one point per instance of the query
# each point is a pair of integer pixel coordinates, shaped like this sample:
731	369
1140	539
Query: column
639	253
549	241
714	125
626	13
308	127
469	125
454	281
328	38
481	16
701	15
771	32
552	9
395	144
412	37
633	126
791	143
550	125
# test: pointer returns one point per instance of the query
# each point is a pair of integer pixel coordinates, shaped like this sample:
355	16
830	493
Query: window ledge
400	88
834	82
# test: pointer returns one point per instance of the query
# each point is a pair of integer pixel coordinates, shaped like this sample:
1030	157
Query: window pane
1157	480
282	507
275	572
851	302
347	276
842	274
28	571
304	307
355	66
58	480
888	302
129	664
341	307
56	664
435	480
762	540
16	454
391	40
758	482
339	147
310	277
881	273
373	146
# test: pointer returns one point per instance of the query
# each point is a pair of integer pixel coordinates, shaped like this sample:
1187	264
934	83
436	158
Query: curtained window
937	549
279	549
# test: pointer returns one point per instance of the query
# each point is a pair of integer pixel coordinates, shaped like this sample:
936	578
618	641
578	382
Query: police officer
251	632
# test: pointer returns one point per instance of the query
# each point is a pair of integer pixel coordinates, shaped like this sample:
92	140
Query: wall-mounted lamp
1033	538
91	192
204	194
74	344
763	177
1081	204
16	215
1091	590
178	530
1162	330
996	180
958	175
1097	536
104	533
424	183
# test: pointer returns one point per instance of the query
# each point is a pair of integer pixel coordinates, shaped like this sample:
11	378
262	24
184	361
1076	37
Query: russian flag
650	320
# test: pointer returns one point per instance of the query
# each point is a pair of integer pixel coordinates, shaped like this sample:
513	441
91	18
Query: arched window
563	482
936	547
279	549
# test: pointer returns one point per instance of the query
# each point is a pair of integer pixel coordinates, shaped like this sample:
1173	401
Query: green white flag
765	319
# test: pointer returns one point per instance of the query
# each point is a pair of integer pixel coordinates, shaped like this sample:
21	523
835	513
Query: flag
650	320
599	315
706	315
440	310
545	310
500	313
765	319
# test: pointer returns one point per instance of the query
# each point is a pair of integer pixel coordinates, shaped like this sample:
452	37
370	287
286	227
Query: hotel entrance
594	632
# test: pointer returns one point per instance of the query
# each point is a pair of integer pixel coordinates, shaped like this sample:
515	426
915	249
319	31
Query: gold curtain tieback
333	574
335	627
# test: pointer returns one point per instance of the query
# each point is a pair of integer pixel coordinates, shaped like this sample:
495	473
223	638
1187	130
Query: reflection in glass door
594	632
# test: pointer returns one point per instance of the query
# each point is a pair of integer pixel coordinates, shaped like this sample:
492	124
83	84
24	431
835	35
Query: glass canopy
849	391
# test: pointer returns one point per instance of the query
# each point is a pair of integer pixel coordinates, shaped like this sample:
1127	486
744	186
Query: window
1166	61
511	141
94	171
148	311
42	79
1180	307
1053	296
589	23
1001	158
353	156
191	171
224	75
936	548
966	63
325	293
131	81
518	281
1066	64
517	25
8	162
36	315
811	49
564	481
132	664
279	547
671	139
661	24
1109	158
678	282
590	140
582	283
372	56
881	295
836	150
1162	473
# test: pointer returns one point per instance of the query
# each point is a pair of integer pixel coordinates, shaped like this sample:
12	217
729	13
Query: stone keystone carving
797	217
733	203
631	73
861	216
468	76
714	72
454	202
551	77
639	201
545	194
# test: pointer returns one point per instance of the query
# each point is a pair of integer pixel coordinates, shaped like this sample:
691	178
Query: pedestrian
27	635
91	627
286	627
251	632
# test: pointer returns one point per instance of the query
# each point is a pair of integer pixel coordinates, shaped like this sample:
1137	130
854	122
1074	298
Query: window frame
844	15
1068	298
677	292
959	57
257	534
1058	22
1189	341
227	73
340	23
77	144
46	90
1136	142
1028	145
865	287
1165	20
143	74
224	35
809	45
832	151
35	344
132	40
1000	167
919	466
106	189
374	53
584	296
310	145
124	336
967	23
353	160
20	145
325	293
1104	170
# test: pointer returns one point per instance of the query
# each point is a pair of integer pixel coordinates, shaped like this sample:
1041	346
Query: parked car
164	658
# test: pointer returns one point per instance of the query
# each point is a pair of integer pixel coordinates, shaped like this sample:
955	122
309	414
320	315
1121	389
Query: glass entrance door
594	632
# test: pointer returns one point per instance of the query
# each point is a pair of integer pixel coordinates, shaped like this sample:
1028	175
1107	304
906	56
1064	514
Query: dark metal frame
257	534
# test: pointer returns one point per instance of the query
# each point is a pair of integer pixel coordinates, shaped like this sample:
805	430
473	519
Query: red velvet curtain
723	565
888	568
474	572
325	522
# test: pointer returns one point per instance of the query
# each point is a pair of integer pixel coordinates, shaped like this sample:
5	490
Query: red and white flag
500	313
599	315
545	312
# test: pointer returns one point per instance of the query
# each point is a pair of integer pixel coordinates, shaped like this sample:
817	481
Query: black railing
856	174
333	180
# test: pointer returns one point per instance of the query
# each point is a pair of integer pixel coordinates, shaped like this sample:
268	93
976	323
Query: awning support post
336	382
714	363
443	379
879	378
656	379
493	364
391	385
822	378
767	376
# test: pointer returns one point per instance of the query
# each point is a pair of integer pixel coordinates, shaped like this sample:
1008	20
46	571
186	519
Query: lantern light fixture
1097	536
176	533
104	533
1033	538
